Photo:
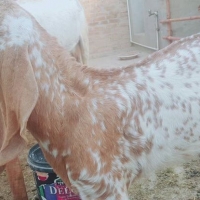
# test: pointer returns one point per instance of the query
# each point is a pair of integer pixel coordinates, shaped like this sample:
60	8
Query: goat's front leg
115	190
16	180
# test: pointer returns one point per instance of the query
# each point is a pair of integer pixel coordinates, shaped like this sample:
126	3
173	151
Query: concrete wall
185	8
179	8
108	26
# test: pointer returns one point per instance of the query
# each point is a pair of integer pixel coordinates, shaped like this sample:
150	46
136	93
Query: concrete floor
113	60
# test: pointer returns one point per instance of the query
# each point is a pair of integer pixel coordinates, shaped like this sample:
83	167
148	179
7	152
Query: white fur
132	121
63	19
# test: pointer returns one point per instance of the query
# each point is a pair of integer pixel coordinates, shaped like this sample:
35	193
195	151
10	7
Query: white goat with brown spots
65	20
99	129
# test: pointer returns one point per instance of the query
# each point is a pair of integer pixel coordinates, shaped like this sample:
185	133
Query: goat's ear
18	97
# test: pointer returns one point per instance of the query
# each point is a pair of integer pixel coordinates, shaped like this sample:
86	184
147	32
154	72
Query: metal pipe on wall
129	21
157	31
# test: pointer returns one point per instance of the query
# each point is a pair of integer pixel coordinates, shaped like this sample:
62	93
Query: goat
100	130
65	20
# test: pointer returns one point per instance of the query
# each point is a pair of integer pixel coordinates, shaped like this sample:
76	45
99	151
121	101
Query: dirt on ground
180	183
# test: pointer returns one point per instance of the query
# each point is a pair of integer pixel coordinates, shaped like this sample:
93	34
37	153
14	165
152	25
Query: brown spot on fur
191	134
160	147
179	149
148	146
178	131
125	159
141	86
169	85
188	85
186	122
166	129
187	138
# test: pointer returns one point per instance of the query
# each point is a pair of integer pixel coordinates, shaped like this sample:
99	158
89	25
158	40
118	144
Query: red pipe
171	38
169	25
180	19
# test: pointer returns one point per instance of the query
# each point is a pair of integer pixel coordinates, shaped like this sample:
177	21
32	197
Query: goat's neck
58	86
62	85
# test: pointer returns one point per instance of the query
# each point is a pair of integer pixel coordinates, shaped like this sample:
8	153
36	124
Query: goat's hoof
35	198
